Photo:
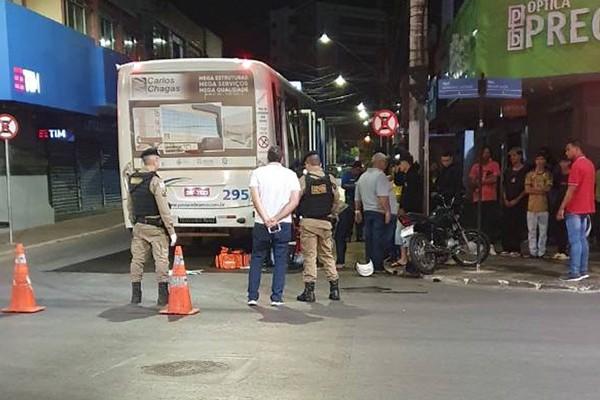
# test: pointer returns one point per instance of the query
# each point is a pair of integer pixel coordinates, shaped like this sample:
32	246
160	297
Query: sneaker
514	254
585	276
493	251
252	303
504	254
277	303
571	278
340	266
562	257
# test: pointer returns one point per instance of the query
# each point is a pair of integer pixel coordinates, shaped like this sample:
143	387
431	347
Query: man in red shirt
576	208
490	173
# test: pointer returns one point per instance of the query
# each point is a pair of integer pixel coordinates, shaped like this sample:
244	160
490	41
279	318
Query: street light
325	39
363	114
340	81
361	107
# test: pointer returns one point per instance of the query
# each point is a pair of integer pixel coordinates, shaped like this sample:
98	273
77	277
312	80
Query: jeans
375	238
390	239
537	245
262	243
341	234
577	226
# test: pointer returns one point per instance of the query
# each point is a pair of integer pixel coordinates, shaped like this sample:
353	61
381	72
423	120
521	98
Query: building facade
553	47
58	74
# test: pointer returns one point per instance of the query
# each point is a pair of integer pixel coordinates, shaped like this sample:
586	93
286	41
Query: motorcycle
433	240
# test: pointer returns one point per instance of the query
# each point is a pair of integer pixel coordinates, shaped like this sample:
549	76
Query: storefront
62	89
553	46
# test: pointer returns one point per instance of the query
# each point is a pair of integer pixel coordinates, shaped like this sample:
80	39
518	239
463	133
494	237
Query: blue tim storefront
62	89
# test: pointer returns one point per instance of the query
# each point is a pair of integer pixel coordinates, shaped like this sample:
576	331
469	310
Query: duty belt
156	221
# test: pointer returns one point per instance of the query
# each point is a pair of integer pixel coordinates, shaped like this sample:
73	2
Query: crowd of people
530	202
542	199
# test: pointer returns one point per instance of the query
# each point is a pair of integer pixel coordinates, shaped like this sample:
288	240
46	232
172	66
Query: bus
212	121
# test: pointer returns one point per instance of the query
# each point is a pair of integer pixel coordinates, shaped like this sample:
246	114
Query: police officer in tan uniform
319	205
152	227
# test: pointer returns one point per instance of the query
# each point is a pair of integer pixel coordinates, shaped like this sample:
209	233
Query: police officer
319	204
152	227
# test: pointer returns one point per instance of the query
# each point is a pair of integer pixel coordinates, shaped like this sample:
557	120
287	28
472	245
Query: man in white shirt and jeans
275	194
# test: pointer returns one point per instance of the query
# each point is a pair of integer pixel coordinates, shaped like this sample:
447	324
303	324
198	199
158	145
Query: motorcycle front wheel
421	254
467	252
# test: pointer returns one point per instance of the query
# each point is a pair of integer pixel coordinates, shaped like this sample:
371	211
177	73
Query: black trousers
514	226
490	219
562	240
341	234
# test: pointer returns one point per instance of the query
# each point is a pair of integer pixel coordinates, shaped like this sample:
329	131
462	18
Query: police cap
150	152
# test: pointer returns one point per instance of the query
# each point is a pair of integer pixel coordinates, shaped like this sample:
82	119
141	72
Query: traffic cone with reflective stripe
22	299
180	300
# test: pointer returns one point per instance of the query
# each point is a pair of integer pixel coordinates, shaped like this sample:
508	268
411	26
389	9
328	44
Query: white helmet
365	269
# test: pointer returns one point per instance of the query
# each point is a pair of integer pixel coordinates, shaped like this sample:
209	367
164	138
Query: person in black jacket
449	181
409	178
412	186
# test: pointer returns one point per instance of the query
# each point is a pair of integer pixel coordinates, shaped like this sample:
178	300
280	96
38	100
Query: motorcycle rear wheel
421	254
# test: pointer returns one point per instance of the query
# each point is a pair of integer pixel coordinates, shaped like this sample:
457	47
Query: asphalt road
389	338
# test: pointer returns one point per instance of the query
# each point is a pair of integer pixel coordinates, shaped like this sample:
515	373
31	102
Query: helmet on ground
365	269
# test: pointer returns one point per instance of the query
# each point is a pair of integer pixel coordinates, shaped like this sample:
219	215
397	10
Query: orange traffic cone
180	301
22	300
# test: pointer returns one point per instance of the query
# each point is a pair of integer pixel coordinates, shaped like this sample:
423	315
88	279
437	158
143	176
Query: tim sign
26	81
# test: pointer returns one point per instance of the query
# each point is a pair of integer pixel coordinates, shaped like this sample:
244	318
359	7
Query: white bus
212	121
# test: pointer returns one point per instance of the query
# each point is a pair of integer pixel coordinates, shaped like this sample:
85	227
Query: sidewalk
63	230
529	273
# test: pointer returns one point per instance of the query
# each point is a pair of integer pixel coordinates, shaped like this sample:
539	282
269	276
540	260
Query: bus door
309	120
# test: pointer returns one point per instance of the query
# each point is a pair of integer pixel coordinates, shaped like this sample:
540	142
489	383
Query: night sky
243	25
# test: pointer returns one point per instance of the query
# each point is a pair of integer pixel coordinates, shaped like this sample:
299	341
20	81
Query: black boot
163	294
309	293
136	292
334	290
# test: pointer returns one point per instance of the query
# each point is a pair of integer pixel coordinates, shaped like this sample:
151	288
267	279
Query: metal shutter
62	173
110	175
90	175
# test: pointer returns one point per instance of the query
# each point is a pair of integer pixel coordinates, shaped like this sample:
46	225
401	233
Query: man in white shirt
275	194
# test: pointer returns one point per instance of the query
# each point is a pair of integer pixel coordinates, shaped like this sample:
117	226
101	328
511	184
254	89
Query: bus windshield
195	119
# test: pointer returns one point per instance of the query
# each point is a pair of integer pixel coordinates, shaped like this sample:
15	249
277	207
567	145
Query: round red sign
9	127
385	123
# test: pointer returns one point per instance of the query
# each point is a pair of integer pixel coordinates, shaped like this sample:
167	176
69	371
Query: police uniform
152	225
319	203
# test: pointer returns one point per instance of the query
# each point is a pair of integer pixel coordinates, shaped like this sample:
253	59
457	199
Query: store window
193	51
130	45
160	42
177	46
75	15
107	33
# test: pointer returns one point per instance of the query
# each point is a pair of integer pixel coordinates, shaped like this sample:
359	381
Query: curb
517	284
66	238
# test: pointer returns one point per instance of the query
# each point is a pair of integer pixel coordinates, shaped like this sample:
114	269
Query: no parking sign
9	127
385	123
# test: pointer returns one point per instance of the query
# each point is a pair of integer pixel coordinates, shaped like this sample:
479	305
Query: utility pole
418	62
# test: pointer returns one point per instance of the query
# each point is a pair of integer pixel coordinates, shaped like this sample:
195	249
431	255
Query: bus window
277	116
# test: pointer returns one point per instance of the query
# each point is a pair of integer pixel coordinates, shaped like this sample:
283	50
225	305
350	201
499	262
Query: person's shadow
128	312
337	309
284	315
